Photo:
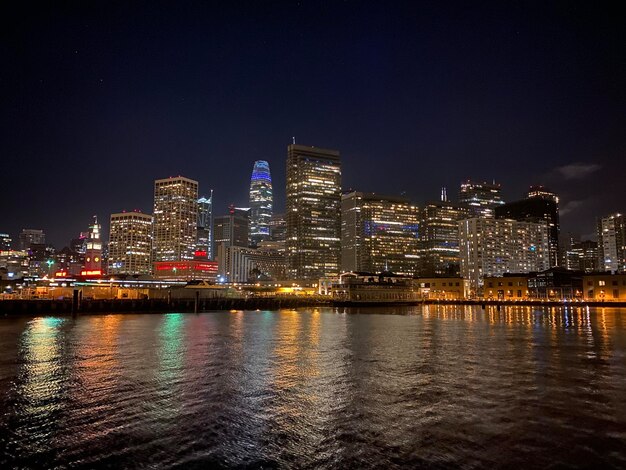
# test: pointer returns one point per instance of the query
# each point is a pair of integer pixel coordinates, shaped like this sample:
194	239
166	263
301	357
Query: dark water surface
316	388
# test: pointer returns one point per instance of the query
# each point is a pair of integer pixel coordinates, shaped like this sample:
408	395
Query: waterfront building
445	288
509	286
261	202
370	288
245	264
541	207
204	241
5	242
481	198
313	212
31	236
93	251
175	219
14	265
186	270
439	238
491	247
612	243
604	286
130	243
378	233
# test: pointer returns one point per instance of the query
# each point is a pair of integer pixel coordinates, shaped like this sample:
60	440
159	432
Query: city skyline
433	95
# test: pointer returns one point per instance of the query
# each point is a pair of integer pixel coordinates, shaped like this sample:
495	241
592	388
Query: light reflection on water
428	386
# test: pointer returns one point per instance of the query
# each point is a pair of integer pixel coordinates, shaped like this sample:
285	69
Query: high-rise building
5	242
378	233
175	219
231	229
541	206
612	243
93	251
481	198
261	202
491	247
204	243
439	238
130	243
278	228
313	212
30	236
585	254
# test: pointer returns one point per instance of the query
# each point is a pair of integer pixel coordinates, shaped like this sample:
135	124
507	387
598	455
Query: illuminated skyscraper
175	219
481	198
313	212
130	243
378	233
261	201
612	243
204	243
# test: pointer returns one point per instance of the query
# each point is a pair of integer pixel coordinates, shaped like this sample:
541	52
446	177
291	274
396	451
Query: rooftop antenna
444	195
294	140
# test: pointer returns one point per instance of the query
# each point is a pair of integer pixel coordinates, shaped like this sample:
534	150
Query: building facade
31	236
313	212
378	233
261	202
204	241
492	247
93	251
612	243
130	243
175	219
481	198
231	229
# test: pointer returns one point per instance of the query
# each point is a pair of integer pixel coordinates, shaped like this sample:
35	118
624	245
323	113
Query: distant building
261	202
542	207
30	236
231	229
93	251
439	238
612	243
14	265
378	233
175	219
313	212
481	198
244	264
586	253
204	241
130	243
5	242
491	247
278	228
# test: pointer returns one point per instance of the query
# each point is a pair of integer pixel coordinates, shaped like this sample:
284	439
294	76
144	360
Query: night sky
99	99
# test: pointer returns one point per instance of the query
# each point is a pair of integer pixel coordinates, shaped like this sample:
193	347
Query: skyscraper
31	236
261	202
175	219
130	243
378	233
204	241
481	198
93	250
541	206
612	243
313	212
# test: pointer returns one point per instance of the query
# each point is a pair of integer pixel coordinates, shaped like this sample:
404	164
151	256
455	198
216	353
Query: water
434	387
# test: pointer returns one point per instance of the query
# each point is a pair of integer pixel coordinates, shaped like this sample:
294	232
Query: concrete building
175	219
491	247
231	229
31	236
379	233
612	243
313	212
130	243
605	287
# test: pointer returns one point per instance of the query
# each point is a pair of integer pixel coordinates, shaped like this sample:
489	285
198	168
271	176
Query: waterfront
429	386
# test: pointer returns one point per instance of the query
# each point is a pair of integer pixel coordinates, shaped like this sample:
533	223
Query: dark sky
99	99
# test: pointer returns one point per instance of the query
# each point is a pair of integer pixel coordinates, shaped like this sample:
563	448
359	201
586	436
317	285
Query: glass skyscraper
261	201
205	226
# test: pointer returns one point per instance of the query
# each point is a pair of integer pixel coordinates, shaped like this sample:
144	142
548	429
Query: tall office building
231	229
481	198
175	219
30	236
584	255
439	238
204	242
313	212
378	233
130	243
541	206
261	202
612	243
491	247
5	242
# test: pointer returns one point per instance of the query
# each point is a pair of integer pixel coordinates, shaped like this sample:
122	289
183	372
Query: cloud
575	171
570	206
